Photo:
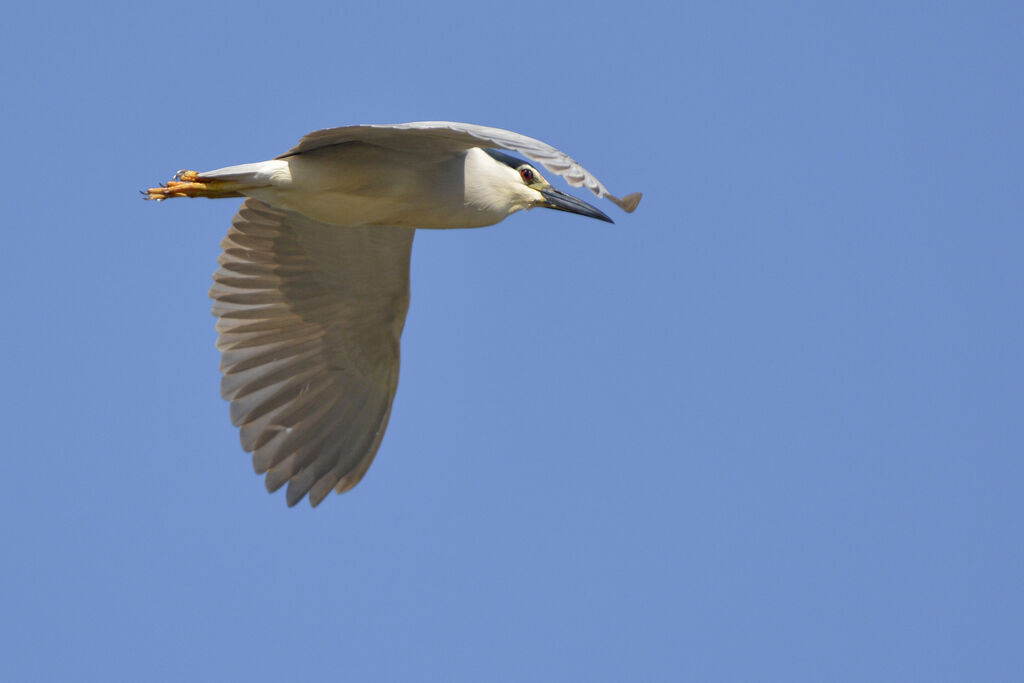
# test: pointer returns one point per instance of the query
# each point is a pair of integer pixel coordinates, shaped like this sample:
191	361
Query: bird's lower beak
553	199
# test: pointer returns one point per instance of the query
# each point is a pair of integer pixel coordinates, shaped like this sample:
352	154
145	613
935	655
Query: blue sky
768	427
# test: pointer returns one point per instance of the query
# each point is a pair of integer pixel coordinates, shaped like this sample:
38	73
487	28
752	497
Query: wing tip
629	202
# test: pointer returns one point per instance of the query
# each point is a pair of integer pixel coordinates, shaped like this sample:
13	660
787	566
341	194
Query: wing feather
309	320
451	136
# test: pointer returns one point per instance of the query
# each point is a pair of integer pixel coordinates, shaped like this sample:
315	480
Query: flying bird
313	284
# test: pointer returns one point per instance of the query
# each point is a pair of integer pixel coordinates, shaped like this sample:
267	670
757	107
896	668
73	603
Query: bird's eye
527	175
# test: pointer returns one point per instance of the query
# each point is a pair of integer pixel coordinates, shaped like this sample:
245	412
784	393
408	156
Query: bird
312	287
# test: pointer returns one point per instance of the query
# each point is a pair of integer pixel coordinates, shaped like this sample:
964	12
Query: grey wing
309	317
452	136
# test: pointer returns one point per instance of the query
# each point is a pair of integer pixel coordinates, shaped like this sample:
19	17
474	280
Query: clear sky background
768	427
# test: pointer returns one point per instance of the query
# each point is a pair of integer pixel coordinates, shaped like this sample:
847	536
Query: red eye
527	175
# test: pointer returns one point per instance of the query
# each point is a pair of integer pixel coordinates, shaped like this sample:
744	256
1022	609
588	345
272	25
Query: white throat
493	187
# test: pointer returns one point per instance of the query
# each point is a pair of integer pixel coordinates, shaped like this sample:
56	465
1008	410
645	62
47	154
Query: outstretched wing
451	136
310	316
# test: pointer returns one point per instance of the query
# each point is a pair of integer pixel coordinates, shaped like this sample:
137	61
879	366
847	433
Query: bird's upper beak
554	199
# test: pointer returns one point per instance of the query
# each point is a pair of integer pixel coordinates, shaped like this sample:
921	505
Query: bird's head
520	184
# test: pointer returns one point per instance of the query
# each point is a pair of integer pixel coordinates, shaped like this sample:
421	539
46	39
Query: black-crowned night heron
313	284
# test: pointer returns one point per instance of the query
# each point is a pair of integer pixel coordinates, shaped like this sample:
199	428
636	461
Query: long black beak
566	202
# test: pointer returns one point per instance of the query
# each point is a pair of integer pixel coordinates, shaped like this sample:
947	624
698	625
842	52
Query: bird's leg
190	184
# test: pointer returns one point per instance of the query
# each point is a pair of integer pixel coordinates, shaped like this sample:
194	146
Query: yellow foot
184	184
189	184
